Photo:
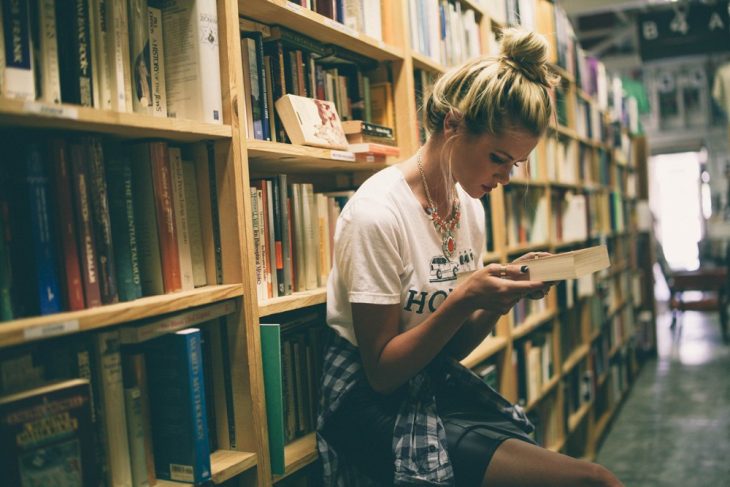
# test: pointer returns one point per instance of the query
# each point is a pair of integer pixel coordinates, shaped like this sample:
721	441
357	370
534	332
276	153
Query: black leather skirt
362	432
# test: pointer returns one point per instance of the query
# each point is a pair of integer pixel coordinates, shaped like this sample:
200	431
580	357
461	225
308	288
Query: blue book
43	246
178	416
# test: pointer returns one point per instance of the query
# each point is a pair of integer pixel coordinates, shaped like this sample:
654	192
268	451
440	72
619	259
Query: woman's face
480	162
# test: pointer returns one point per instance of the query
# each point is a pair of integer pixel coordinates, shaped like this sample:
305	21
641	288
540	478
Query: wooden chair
711	281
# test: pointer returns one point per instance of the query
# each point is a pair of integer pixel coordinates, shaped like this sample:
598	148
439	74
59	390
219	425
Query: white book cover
195	233
372	20
99	30
298	228
256	226
47	52
181	217
157	62
109	367
310	245
117	53
308	121
19	81
193	60
266	288
136	435
139	53
355	14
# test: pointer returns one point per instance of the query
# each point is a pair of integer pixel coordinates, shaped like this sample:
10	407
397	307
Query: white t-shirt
387	251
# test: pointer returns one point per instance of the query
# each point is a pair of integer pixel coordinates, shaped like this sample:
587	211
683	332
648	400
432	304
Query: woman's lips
487	189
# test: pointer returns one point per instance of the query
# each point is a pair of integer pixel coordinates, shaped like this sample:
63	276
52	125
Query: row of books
96	221
534	365
143	56
569	216
423	83
292	352
526	216
278	61
444	30
524	309
361	16
131	404
578	390
546	419
293	229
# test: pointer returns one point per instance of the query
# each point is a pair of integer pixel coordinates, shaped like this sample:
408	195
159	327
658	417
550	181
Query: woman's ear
452	122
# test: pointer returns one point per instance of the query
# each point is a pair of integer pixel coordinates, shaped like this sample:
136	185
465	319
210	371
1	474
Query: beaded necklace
445	228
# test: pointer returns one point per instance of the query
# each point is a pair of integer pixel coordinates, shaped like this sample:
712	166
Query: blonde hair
491	94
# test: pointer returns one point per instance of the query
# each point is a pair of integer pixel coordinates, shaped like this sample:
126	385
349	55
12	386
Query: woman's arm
391	358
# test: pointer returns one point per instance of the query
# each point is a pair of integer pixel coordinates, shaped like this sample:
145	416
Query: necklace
445	228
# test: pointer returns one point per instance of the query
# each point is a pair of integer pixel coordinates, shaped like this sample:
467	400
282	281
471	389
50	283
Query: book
177	407
74	59
136	403
157	58
181	218
17	68
309	121
192	63
117	52
273	388
569	265
351	127
45	51
139	57
46	436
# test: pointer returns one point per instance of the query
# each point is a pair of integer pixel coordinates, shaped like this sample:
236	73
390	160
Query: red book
73	291
85	231
162	186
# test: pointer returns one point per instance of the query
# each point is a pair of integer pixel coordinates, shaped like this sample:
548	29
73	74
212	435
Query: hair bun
526	52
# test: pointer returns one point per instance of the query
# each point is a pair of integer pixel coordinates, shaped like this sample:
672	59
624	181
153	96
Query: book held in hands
569	265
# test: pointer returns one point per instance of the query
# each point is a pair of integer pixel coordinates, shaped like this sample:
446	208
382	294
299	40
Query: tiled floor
674	428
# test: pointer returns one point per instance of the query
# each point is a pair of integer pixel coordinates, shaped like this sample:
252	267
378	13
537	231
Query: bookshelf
241	416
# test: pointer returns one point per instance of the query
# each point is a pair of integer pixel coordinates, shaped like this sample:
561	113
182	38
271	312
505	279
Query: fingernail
524	269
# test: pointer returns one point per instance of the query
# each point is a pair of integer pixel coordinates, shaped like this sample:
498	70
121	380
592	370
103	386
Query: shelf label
48	110
342	155
51	329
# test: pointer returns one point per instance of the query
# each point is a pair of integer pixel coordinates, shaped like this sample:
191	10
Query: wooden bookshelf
577	417
490	346
546	389
421	61
298	454
532	322
36	114
574	358
295	301
224	465
42	327
276	157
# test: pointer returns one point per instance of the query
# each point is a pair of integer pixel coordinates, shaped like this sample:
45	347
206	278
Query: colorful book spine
73	289
75	59
178	407
273	388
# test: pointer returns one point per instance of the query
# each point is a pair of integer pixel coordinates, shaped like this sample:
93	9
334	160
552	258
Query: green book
273	388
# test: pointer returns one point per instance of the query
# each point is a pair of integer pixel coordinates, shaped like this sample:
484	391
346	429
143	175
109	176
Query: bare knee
599	476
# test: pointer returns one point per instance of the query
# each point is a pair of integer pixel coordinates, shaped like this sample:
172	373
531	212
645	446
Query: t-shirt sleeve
368	253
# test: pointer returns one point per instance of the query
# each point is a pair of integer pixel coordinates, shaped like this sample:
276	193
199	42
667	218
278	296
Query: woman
397	408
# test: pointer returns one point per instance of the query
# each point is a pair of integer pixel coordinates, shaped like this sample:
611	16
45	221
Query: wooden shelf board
29	329
224	465
527	248
532	322
293	301
602	424
562	72
66	117
484	350
490	257
579	354
546	389
613	311
575	419
529	182
421	61
595	335
298	454
602	379
566	185
319	27
558	445
276	157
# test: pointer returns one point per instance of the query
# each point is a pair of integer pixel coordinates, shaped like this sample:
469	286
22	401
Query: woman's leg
519	464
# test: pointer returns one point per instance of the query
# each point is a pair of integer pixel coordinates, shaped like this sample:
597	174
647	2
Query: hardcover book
309	121
47	438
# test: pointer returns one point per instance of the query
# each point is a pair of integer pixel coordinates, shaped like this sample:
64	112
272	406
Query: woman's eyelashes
496	159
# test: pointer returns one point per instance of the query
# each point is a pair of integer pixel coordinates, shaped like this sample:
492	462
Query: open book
569	265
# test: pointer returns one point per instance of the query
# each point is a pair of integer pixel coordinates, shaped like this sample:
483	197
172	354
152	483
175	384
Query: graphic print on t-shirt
443	269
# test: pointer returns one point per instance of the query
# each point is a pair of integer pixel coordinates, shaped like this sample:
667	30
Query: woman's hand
497	288
526	259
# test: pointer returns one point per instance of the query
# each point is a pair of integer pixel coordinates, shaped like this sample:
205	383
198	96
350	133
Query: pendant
448	245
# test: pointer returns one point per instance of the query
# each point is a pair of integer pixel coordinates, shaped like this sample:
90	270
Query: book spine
141	68
192	60
6	302
124	229
136	402
145	217
263	88
109	370
157	58
285	234
100	28
278	206
2	54
41	231
87	244
18	78
166	227
271	360
66	227
76	62
181	218
101	221
201	449
214	213
249	44
117	53
272	239
257	242
47	52
194	231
